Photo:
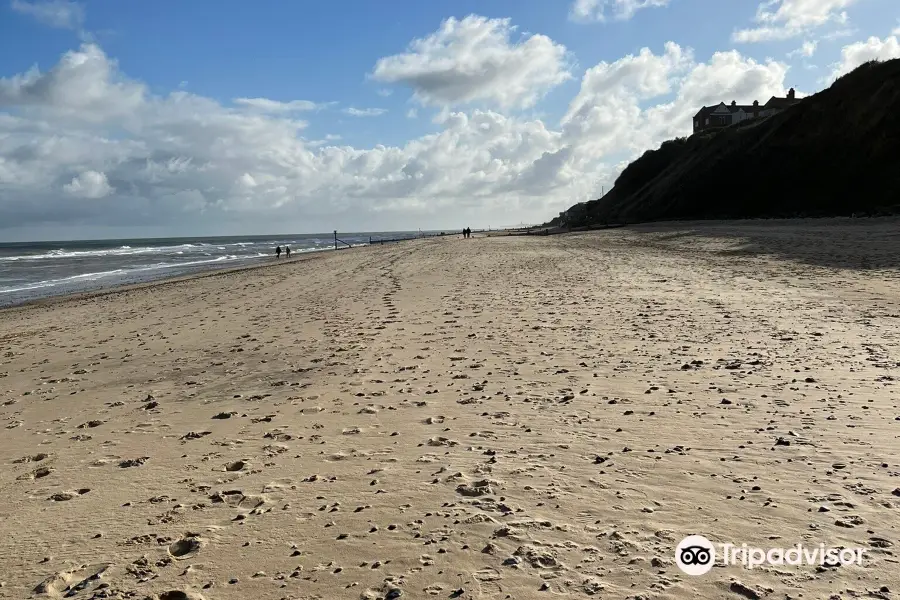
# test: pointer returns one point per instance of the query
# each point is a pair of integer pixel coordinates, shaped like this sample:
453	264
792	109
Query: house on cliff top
723	115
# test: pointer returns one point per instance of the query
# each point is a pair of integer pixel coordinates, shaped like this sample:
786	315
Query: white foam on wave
102	274
120	251
55	282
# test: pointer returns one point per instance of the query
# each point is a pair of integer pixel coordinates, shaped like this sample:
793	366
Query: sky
228	117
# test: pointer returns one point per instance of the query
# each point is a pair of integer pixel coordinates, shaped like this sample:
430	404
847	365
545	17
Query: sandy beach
503	417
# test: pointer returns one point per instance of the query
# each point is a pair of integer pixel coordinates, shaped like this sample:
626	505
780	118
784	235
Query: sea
34	270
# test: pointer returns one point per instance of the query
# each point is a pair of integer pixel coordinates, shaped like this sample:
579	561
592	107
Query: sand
507	417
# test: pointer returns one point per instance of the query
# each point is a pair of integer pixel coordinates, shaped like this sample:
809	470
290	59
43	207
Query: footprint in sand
69	583
37	473
186	547
237	499
65	496
34	458
180	595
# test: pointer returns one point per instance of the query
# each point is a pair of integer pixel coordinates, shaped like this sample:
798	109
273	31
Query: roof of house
776	102
745	107
733	108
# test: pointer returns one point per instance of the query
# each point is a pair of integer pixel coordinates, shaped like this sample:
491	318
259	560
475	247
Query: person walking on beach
287	251
278	252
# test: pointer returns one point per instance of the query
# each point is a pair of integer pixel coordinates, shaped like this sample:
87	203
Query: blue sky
542	114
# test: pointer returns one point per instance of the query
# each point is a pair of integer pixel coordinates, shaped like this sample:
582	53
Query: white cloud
473	60
84	86
607	115
412	114
807	50
896	30
602	10
181	162
384	92
89	184
365	112
785	19
853	55
840	33
246	180
54	13
273	106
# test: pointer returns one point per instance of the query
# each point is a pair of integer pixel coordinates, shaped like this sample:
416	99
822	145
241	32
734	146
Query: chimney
791	94
734	103
756	103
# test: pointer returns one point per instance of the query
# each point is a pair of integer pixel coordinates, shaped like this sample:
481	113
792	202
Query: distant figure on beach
278	252
287	251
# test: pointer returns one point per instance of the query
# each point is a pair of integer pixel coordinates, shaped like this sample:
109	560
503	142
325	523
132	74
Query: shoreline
36	270
164	281
646	227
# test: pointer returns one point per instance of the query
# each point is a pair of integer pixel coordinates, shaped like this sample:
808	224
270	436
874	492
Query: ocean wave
49	283
120	251
55	282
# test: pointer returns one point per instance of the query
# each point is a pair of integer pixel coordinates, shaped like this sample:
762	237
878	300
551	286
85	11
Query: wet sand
505	417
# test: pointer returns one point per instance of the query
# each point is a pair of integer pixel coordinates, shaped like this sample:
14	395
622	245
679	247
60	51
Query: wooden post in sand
335	239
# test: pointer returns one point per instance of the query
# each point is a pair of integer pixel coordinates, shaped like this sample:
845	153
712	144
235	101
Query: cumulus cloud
853	55
90	184
607	117
83	86
54	13
364	112
602	10
474	59
785	19
896	30
84	130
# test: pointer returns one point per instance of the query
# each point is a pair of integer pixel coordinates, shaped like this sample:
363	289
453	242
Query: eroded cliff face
833	153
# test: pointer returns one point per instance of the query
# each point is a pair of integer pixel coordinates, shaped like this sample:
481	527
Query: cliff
834	153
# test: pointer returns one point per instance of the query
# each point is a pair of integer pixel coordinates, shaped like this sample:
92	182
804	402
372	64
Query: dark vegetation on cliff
834	153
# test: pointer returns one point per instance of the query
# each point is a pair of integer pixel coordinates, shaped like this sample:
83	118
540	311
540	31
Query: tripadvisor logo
696	555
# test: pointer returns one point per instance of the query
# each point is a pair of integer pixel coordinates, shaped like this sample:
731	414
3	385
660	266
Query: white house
723	115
